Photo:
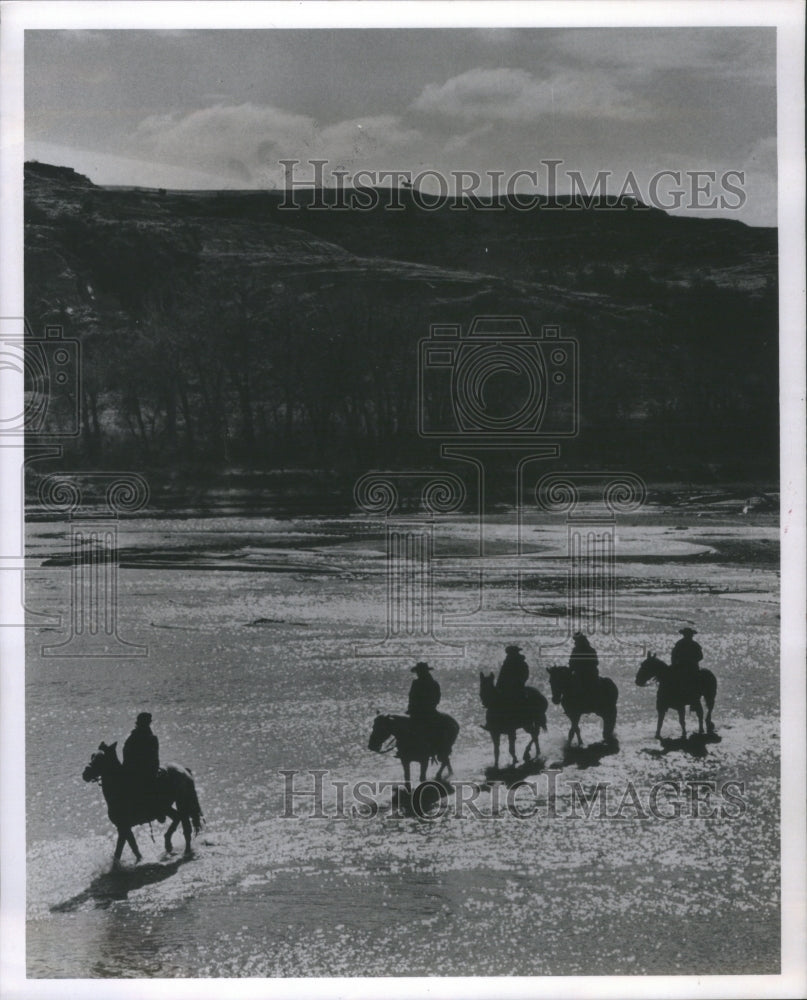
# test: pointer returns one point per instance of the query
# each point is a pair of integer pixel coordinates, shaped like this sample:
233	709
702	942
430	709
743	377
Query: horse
124	811
672	694
600	701
411	744
501	717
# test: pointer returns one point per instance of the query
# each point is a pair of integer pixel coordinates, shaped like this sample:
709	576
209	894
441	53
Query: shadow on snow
118	883
693	745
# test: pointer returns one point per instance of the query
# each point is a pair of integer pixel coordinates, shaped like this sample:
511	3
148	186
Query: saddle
433	730
586	691
689	687
513	706
151	799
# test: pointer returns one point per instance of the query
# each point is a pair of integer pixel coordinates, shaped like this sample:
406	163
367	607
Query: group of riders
141	751
511	684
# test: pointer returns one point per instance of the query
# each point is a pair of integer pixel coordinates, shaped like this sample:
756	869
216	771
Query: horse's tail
609	713
190	804
538	705
609	722
709	688
195	811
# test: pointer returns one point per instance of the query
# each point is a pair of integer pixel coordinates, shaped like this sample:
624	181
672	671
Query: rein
390	747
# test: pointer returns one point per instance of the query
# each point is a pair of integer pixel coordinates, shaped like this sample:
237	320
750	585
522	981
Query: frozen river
252	626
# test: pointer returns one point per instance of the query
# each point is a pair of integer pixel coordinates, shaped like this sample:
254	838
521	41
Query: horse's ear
112	746
102	745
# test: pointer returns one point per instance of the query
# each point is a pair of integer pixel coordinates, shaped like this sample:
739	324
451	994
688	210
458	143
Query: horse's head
382	730
648	669
487	688
557	682
100	762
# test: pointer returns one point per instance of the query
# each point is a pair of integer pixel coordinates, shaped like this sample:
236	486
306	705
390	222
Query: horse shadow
693	745
587	756
115	885
513	773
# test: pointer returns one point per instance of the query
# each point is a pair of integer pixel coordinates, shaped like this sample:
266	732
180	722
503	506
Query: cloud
746	53
456	143
246	141
517	96
106	168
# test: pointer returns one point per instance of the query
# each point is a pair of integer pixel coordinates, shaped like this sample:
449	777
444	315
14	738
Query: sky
220	109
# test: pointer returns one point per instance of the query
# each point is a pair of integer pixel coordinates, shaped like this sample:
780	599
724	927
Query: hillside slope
219	328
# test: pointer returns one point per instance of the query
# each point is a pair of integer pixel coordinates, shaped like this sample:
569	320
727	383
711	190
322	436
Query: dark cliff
218	329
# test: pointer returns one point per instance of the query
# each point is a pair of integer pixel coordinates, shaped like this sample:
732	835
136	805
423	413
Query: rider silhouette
584	663
512	680
424	697
513	674
685	660
141	759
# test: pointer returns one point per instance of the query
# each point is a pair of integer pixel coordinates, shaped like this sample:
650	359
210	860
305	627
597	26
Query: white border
788	16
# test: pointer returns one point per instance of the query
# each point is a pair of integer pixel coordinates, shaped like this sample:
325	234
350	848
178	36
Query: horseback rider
513	675
141	759
584	664
424	697
685	660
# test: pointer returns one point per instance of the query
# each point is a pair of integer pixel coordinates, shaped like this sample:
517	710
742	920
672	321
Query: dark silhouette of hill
220	329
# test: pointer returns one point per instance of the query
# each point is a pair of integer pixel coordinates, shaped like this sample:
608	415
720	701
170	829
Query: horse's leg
171	813
496	740
661	713
119	845
407	773
533	740
424	764
682	716
511	743
699	712
710	704
186	830
130	840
